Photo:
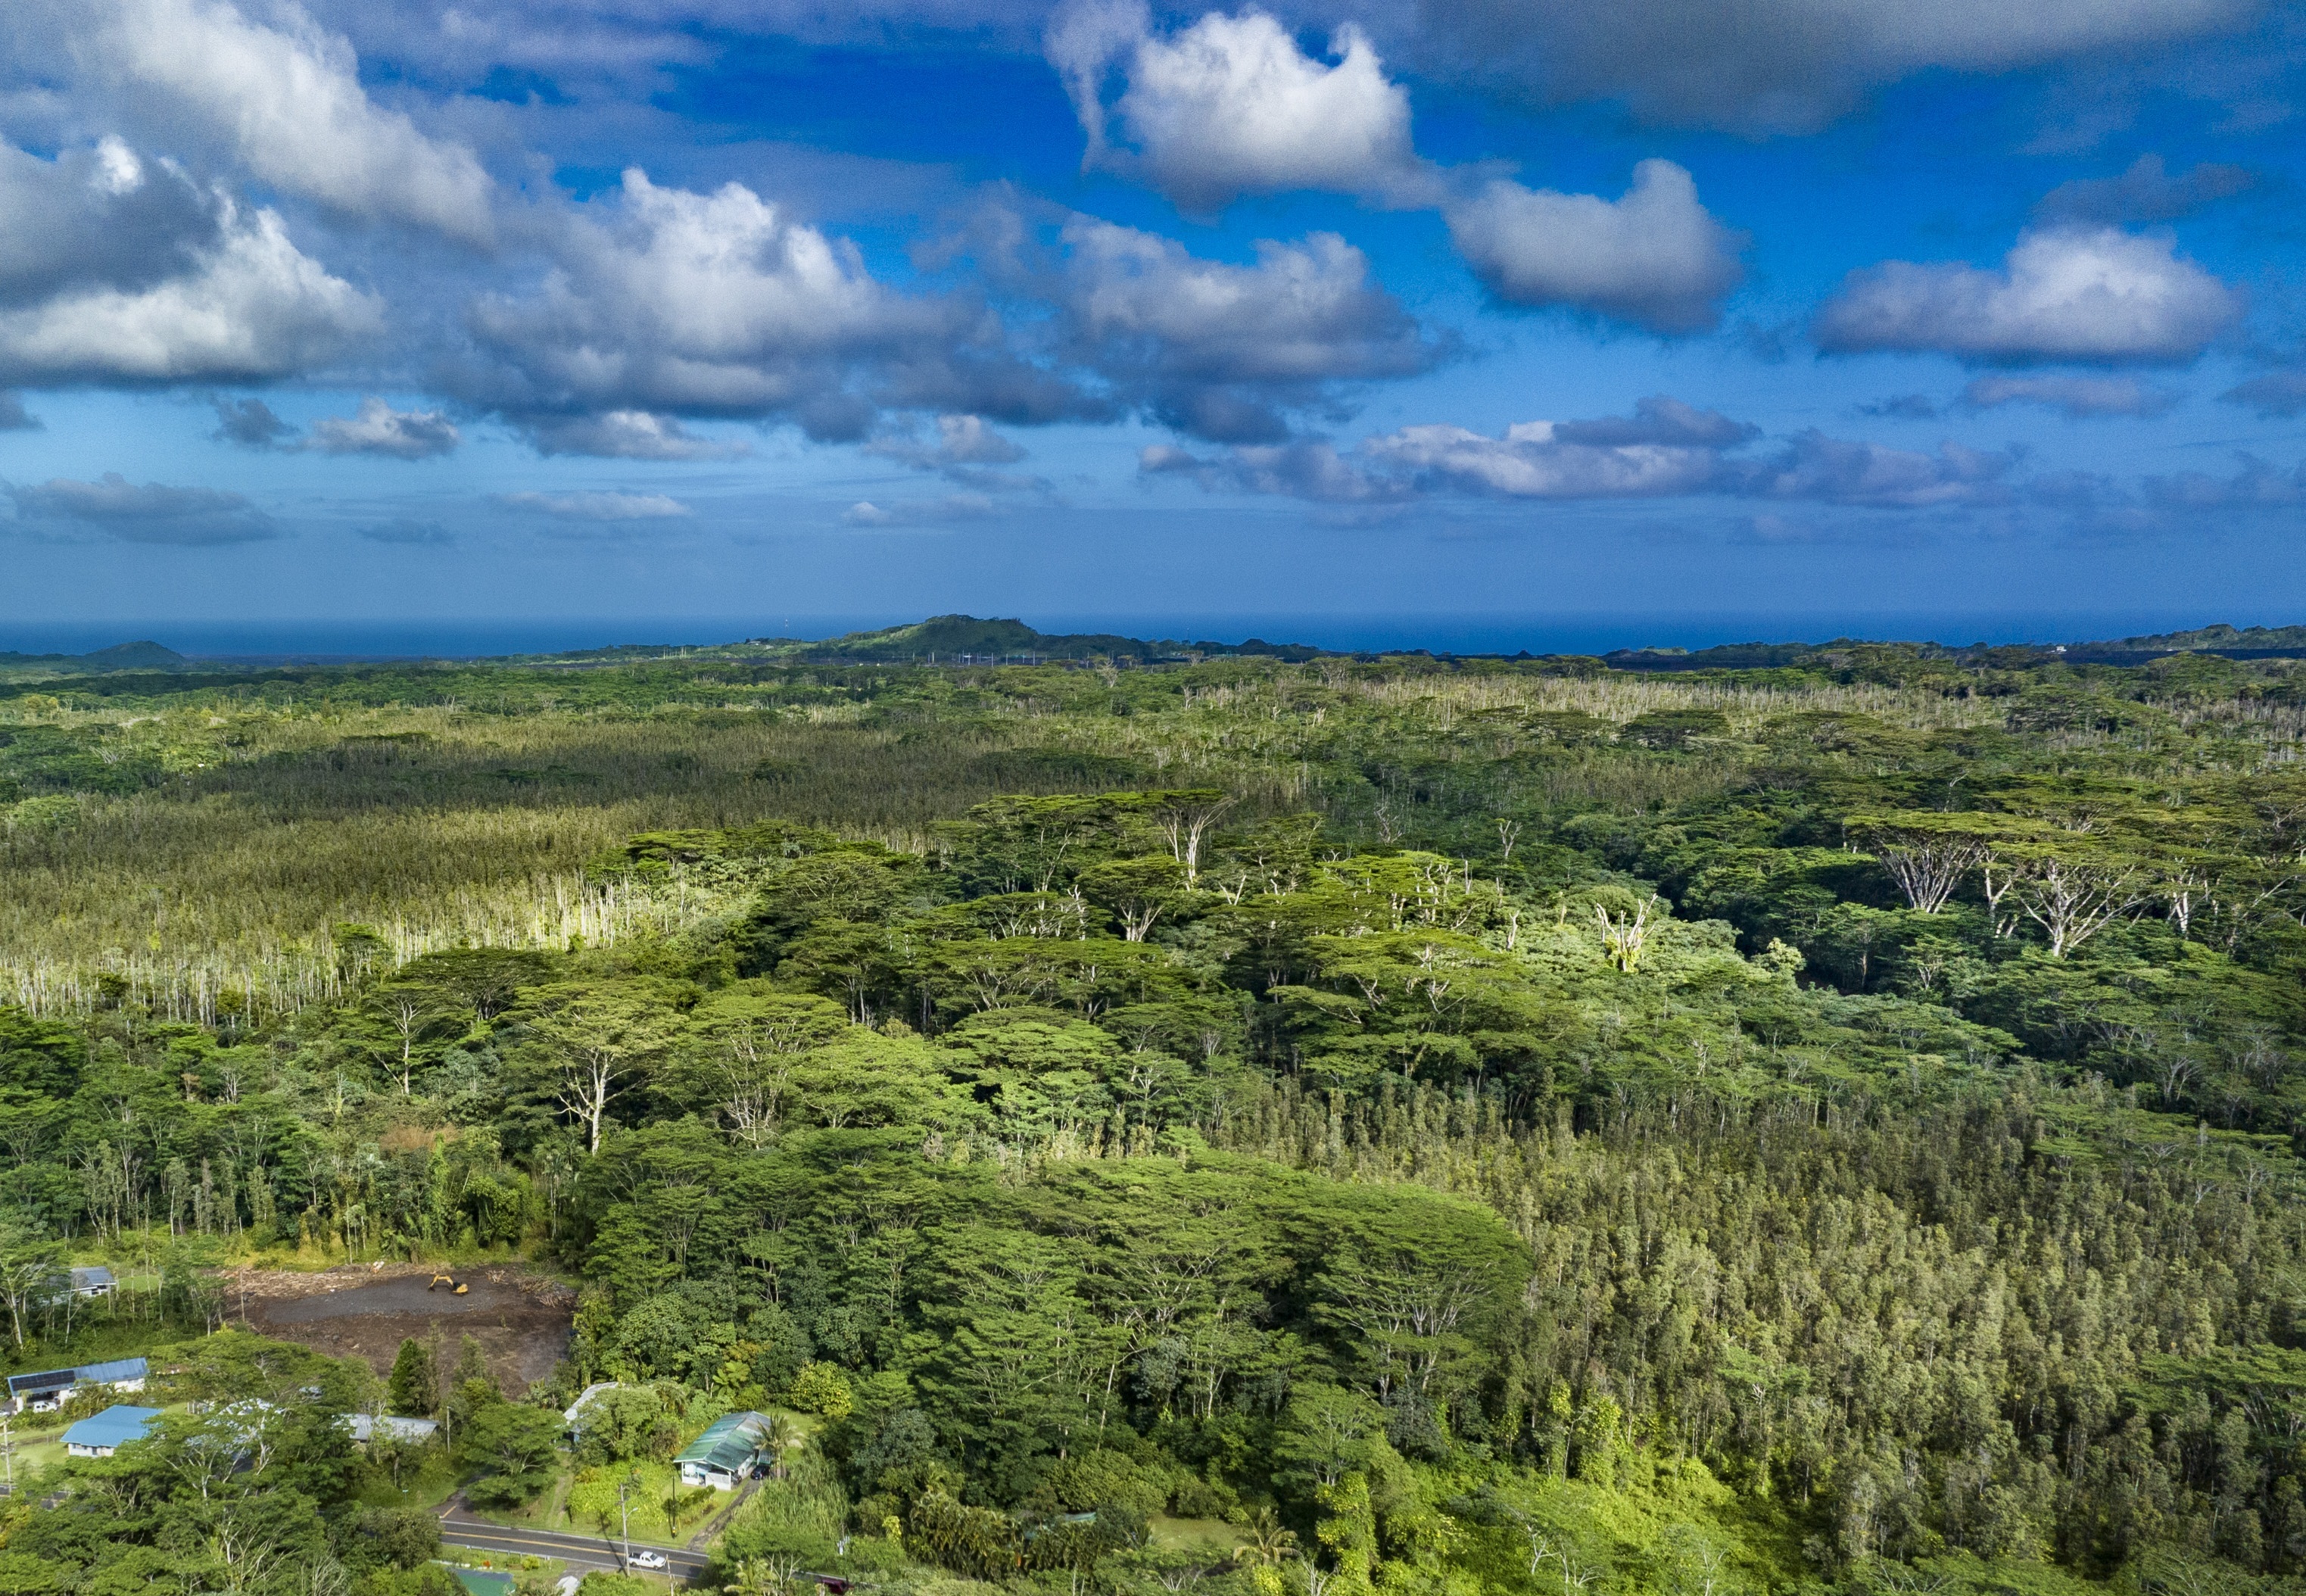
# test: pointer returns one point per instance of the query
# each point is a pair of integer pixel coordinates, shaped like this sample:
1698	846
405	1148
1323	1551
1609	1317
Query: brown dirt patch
358	1312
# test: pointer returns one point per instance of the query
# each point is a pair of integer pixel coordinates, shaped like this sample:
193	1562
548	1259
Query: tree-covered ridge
1437	1127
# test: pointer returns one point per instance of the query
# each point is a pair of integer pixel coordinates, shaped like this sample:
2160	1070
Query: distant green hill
2218	638
965	639
121	657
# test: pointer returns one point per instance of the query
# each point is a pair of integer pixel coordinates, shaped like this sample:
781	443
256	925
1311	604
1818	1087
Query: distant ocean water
465	638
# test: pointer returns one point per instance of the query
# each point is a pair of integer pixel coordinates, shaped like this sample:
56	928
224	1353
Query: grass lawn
549	1511
36	1441
592	1501
584	1500
488	1567
584	1497
427	1488
1213	1536
40	1455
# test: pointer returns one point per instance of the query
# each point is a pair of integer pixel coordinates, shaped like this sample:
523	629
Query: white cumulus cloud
378	429
665	303
1231	105
2094	296
1666	449
247	307
285	95
1218	350
966	450
1531	462
1653	257
625	435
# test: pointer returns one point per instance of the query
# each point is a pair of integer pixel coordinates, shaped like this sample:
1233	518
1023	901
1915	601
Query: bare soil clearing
358	1311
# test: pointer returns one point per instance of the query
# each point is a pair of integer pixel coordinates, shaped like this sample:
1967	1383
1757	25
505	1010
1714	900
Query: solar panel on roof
47	1379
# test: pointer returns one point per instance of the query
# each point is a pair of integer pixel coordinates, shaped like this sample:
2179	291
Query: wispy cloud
596	506
146	512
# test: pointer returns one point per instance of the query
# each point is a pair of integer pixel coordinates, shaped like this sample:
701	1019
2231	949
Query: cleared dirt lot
521	1319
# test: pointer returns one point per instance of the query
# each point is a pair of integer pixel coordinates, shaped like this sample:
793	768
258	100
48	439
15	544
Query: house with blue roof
108	1431
44	1390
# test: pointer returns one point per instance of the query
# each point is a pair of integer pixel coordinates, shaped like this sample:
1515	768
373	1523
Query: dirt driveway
357	1311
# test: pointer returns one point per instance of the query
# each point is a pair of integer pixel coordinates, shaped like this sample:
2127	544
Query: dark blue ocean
324	639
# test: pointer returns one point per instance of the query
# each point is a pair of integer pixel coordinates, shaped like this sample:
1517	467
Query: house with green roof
727	1454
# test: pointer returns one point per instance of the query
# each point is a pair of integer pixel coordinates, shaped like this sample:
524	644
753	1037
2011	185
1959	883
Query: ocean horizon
466	637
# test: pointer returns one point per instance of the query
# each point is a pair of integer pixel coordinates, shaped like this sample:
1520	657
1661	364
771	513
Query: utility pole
8	1449
625	1510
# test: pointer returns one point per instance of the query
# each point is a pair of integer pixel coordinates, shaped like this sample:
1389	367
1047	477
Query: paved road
580	1552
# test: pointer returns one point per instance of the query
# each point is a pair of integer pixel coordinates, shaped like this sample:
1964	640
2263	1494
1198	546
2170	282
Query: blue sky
1806	313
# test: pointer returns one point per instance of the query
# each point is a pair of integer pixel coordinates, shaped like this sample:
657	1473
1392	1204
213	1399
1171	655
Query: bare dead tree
2072	899
1927	865
1623	935
1183	819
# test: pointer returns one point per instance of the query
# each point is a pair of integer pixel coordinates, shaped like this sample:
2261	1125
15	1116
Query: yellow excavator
455	1285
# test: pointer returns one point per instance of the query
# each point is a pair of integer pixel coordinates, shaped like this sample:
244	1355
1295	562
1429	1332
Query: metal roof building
47	1388
365	1427
120	1371
108	1431
726	1452
573	1421
42	1383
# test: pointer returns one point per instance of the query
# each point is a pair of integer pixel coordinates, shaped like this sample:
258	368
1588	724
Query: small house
90	1280
41	1391
572	1421
728	1452
366	1427
47	1389
108	1431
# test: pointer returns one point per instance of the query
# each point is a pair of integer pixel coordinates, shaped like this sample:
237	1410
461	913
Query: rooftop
115	1426
728	1443
56	1379
364	1426
585	1400
118	1368
44	1379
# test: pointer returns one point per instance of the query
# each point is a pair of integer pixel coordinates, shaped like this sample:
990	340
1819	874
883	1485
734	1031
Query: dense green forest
1247	1124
